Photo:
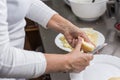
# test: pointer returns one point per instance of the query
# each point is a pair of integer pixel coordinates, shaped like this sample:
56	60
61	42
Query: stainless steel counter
104	25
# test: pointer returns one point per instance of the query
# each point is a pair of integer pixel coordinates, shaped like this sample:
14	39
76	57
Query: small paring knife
98	48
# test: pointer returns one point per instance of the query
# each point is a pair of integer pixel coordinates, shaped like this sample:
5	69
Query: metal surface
117	10
104	24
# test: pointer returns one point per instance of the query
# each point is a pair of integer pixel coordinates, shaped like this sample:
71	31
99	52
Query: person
18	63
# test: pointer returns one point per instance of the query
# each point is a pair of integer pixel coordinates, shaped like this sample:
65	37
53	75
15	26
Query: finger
82	63
74	42
87	57
90	56
84	60
79	68
78	45
69	39
85	37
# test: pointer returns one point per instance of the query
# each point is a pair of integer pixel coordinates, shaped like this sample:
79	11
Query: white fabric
42	13
15	62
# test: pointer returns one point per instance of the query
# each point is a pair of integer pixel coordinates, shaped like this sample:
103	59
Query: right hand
78	61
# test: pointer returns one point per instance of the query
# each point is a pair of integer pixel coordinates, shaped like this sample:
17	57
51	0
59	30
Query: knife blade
98	48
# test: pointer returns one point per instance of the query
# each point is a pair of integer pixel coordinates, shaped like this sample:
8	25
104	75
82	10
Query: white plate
102	67
101	40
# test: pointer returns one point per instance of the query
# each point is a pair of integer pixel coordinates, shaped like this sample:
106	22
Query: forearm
17	63
60	24
57	63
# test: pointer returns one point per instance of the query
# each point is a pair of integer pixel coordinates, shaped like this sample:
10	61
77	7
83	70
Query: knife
98	48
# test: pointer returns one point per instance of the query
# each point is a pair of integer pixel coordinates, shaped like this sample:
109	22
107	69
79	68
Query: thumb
79	43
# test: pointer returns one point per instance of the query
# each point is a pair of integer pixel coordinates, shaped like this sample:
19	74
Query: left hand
72	33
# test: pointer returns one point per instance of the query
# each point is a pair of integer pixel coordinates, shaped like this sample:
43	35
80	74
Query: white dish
102	67
88	11
101	40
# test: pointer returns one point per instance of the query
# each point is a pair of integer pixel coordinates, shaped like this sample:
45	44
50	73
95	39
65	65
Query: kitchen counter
104	24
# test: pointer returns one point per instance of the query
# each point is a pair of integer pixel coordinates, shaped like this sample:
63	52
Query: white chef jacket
15	62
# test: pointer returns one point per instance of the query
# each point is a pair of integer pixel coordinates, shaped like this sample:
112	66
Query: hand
72	33
78	61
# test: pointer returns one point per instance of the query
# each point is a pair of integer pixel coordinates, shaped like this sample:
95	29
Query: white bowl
88	11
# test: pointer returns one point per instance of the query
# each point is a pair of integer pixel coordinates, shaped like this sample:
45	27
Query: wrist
57	63
60	24
68	66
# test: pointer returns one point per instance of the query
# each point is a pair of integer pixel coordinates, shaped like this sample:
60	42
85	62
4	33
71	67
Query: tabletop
104	24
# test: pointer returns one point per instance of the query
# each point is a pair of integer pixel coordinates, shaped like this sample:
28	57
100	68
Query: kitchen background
33	38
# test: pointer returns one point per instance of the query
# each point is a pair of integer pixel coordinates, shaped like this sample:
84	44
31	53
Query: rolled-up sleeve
40	13
17	63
